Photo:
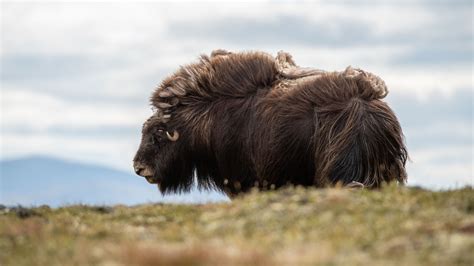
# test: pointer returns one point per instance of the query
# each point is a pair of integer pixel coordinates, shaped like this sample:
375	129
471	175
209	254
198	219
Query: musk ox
244	120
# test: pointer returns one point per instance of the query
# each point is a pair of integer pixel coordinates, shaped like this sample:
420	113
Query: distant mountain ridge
37	180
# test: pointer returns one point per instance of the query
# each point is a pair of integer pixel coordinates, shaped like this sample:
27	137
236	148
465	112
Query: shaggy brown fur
246	120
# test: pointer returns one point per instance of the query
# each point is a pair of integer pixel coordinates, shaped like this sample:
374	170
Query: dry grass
393	226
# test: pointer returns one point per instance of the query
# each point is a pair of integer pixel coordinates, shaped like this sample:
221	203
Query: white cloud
40	112
441	176
455	129
446	167
91	28
423	80
139	34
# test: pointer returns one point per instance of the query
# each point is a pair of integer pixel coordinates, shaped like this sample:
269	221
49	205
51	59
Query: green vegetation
392	226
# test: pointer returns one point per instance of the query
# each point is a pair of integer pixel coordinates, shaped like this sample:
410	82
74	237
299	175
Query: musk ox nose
138	169
142	170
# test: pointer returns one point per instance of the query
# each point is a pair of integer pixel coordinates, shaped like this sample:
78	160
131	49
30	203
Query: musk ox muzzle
145	171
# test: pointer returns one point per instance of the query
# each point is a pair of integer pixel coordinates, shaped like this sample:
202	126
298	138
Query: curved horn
173	137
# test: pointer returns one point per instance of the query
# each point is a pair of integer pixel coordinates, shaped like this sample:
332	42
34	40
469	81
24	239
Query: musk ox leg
375	81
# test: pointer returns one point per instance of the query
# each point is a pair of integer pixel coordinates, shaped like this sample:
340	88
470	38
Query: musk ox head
164	155
160	154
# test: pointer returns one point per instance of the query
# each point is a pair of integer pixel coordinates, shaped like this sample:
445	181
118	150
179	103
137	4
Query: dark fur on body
242	125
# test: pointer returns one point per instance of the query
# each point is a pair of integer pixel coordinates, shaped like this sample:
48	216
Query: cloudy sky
76	78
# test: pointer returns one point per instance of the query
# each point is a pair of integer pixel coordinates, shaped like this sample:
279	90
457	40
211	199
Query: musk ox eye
156	137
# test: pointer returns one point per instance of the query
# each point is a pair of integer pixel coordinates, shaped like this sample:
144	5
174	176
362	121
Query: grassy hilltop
394	226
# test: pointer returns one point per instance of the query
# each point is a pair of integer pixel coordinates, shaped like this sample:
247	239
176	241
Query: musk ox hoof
355	184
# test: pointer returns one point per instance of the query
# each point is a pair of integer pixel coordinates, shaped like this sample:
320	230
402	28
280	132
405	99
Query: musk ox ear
172	137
